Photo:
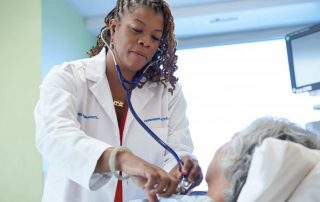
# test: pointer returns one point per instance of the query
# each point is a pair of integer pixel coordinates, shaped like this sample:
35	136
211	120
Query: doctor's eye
136	30
155	38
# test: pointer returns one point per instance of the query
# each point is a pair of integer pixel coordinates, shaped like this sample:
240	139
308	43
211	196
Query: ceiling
202	18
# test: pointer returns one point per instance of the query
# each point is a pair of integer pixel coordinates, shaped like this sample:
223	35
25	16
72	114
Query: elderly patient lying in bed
277	165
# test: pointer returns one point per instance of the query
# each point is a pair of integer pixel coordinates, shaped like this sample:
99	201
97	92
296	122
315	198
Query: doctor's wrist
116	160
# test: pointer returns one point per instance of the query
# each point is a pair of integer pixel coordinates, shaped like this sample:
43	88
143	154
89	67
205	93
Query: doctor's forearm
103	162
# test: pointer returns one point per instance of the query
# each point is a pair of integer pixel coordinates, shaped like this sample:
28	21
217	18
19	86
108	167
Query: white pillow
308	190
276	169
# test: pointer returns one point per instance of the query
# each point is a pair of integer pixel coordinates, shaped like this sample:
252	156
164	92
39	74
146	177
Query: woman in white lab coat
82	116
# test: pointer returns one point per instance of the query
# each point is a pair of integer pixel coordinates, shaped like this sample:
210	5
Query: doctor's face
136	38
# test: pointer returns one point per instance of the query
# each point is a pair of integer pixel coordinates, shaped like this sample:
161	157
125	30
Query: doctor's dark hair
165	58
236	163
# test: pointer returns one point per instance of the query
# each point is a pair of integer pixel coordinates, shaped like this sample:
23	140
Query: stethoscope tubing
132	85
128	91
183	188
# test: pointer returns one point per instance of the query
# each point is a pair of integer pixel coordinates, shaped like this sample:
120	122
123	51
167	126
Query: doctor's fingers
170	188
192	169
186	168
152	198
161	183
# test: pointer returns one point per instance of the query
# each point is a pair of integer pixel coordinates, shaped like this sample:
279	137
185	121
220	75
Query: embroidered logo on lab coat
156	119
82	115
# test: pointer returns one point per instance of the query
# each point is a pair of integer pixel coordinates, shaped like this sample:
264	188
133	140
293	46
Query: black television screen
303	48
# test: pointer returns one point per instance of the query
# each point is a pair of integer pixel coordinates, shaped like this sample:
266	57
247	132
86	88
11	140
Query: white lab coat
76	122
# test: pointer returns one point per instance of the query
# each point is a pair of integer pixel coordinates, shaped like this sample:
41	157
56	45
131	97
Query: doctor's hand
152	179
191	169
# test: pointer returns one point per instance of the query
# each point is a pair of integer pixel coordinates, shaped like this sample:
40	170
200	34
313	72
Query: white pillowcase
308	190
276	170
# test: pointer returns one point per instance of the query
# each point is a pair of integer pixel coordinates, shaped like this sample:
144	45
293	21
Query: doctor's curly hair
165	58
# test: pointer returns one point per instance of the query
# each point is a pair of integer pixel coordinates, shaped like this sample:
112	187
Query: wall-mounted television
303	48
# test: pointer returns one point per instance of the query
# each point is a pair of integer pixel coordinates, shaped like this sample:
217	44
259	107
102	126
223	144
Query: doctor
84	128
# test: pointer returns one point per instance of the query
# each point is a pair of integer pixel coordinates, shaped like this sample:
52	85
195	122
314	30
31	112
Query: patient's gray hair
237	162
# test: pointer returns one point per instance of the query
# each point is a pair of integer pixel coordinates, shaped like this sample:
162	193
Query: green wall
33	37
64	36
20	56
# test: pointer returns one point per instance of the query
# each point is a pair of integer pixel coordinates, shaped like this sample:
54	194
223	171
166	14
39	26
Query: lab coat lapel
140	97
95	72
102	92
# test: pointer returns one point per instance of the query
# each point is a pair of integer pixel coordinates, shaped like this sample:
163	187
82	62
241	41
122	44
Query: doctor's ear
112	29
112	26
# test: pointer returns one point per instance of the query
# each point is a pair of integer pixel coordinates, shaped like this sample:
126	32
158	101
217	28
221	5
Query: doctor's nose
144	41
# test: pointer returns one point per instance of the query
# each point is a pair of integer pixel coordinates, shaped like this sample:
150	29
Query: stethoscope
128	86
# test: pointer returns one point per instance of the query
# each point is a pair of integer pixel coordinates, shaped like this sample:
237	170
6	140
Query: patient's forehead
224	148
215	167
215	176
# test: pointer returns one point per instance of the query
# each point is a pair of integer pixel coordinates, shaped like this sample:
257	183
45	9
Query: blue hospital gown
181	198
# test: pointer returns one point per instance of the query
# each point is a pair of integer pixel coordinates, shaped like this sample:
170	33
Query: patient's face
215	177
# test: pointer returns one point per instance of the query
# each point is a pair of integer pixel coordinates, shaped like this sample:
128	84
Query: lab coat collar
96	66
96	69
95	72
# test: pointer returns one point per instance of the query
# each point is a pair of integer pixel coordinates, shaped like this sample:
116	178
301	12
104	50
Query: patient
228	170
235	157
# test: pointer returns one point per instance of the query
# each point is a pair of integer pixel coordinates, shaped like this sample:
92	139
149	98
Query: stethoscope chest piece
184	186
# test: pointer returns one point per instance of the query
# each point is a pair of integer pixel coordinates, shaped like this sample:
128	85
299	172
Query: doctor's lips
139	53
